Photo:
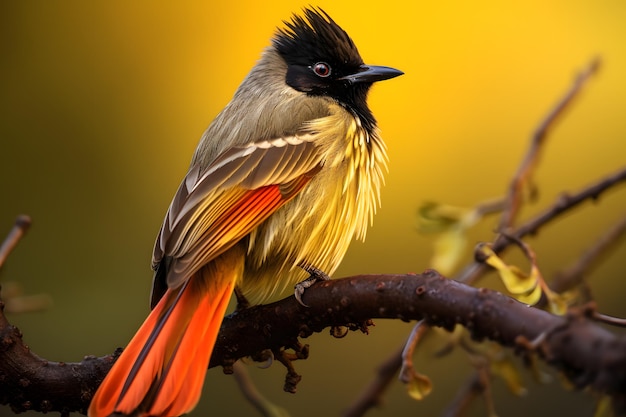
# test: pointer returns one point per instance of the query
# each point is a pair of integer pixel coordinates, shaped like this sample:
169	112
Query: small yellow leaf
505	368
529	286
557	302
419	386
434	217
523	287
448	250
538	375
603	407
451	223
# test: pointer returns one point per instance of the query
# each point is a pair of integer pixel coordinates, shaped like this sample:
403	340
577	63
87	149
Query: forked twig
372	395
511	203
530	160
562	204
265	407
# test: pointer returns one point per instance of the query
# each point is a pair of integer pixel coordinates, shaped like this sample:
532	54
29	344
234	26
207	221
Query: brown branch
574	275
474	387
249	390
510	204
567	202
562	204
513	199
28	382
417	334
372	395
530	160
476	269
613	321
587	353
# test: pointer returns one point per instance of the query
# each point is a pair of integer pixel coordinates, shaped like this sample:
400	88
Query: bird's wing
213	209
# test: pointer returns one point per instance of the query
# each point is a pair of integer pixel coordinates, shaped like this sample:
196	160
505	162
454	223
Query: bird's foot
315	275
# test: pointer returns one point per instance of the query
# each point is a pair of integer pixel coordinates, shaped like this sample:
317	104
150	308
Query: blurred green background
102	104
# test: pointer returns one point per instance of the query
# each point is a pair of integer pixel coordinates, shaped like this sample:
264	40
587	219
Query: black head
322	60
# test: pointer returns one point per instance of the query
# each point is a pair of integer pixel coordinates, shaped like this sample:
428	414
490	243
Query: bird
282	180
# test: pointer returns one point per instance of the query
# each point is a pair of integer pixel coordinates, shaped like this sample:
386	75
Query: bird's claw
315	275
301	286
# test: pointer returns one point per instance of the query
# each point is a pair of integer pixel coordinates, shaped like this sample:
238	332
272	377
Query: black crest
316	37
319	56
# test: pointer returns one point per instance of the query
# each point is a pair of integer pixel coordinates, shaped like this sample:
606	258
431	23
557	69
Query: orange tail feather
161	371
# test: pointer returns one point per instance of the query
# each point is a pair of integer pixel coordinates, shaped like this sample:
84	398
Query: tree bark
586	353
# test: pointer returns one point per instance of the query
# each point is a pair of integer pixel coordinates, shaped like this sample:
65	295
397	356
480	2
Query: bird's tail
161	371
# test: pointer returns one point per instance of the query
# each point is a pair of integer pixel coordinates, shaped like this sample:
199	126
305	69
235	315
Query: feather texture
160	373
286	176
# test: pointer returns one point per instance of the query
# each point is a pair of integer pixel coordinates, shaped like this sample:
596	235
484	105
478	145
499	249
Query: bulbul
281	181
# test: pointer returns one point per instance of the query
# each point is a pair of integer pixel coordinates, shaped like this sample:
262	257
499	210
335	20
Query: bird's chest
317	226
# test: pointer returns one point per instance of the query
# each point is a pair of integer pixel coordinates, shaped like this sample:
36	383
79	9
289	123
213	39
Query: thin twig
22	223
401	360
524	172
371	396
510	204
465	396
566	202
485	380
407	370
574	275
265	407
613	321
490	206
562	204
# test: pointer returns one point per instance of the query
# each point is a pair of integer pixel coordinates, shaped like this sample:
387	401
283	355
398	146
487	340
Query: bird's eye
322	69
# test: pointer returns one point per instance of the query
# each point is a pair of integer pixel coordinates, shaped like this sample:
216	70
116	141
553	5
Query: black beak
371	74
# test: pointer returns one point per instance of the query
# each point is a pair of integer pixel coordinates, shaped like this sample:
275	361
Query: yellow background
102	104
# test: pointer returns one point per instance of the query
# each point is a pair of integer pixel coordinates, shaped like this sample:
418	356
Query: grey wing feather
204	196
